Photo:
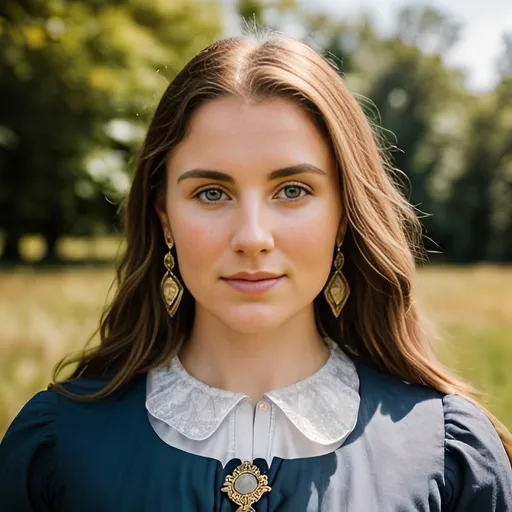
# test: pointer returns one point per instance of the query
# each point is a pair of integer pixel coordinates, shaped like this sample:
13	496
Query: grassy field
46	314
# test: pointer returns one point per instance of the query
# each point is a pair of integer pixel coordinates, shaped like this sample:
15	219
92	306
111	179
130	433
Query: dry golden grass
472	309
46	314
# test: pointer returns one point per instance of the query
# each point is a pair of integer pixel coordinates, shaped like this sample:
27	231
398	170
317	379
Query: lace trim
323	407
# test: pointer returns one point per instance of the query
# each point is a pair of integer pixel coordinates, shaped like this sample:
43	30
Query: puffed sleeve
477	471
28	466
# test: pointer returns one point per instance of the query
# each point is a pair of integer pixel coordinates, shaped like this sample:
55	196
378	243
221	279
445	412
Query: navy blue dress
413	449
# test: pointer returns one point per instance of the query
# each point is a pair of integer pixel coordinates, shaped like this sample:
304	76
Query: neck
253	363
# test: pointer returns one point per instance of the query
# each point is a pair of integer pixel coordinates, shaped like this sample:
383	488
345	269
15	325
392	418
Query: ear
342	230
161	211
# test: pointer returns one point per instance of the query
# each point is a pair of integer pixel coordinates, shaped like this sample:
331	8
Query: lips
254	276
253	282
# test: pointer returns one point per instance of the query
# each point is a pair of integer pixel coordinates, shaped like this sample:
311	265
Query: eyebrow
285	172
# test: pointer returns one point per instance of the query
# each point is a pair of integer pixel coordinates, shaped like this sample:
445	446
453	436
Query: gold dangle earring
337	290
170	287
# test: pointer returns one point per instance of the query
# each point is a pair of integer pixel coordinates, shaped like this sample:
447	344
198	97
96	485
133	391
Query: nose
252	234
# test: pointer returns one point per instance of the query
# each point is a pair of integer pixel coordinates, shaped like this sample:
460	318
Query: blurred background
80	79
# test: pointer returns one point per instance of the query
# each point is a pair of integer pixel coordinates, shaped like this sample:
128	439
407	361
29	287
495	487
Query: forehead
230	133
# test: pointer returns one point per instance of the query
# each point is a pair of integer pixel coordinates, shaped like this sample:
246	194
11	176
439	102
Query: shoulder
28	447
77	412
42	439
395	397
39	419
446	434
477	470
36	419
399	423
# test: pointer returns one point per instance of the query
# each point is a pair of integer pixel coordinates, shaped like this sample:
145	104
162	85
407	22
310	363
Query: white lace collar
323	407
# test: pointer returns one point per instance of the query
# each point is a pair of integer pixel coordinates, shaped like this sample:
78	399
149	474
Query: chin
252	318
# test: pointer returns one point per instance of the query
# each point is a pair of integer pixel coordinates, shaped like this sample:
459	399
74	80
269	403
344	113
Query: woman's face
253	207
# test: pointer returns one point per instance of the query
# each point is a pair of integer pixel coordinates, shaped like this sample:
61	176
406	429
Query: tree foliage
454	146
77	80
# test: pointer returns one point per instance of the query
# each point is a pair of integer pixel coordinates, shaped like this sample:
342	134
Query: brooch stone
245	486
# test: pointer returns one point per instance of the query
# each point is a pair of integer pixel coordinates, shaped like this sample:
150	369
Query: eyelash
292	184
303	188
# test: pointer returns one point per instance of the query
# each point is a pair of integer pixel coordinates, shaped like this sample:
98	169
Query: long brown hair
380	322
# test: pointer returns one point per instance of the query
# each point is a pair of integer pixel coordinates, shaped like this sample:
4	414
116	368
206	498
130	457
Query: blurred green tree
453	146
78	81
417	105
422	106
480	206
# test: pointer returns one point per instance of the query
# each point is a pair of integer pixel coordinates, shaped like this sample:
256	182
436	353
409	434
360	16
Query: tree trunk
11	251
51	237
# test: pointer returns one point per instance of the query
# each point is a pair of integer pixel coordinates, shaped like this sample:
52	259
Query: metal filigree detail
170	287
245	486
337	290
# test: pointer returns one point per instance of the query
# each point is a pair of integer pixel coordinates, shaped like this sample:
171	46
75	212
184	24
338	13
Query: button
263	406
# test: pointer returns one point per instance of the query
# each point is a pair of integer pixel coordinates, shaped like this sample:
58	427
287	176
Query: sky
483	23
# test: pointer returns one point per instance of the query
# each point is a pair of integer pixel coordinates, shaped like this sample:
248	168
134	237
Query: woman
263	351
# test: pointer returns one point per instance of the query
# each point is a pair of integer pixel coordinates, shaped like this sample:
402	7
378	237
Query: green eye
211	195
293	192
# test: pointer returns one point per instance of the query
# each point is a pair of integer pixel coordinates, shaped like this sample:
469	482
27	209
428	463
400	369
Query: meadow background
80	80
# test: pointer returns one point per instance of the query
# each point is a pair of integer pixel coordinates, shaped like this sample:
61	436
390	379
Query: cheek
310	240
199	244
312	257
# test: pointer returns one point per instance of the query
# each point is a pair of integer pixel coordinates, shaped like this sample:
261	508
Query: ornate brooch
246	486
